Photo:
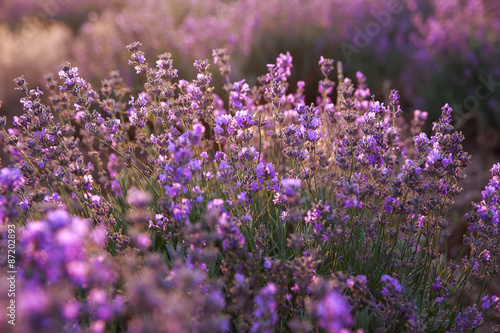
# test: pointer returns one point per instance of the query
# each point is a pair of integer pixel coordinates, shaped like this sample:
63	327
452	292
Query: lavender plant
169	208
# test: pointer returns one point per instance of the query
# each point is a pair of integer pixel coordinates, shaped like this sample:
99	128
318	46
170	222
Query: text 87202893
11	273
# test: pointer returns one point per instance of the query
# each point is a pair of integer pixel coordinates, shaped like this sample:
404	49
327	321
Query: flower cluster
59	255
172	209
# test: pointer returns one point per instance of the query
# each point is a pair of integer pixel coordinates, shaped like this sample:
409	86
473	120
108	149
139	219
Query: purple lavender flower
265	311
267	263
390	204
233	240
392	287
291	185
138	113
224	125
266	172
309	123
138	198
284	63
72	81
11	180
238	95
276	89
244	119
326	65
96	200
334	313
490	302
25	204
59	254
317	212
137	58
165	67
466	321
437	284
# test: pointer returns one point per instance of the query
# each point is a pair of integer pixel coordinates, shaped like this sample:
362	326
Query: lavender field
249	166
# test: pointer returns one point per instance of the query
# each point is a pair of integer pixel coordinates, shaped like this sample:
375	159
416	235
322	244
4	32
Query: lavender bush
169	208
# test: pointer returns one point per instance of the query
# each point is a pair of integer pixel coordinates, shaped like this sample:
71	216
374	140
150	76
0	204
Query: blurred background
433	51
